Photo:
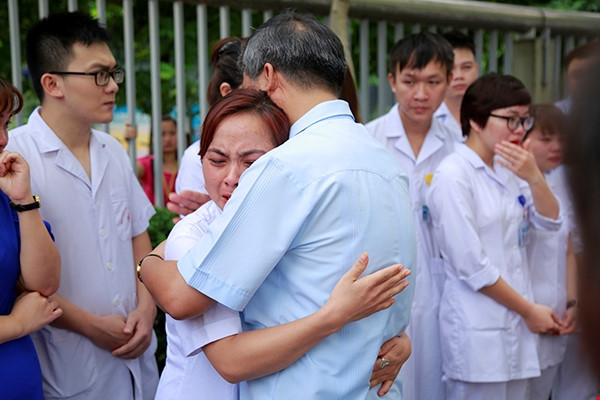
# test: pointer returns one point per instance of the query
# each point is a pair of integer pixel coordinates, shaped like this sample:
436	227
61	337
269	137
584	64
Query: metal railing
524	41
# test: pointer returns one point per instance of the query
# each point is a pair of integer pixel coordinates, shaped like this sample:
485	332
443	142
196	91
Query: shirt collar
395	128
48	141
320	112
499	173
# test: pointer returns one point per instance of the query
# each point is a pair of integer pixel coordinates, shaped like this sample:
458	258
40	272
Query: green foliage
161	224
161	339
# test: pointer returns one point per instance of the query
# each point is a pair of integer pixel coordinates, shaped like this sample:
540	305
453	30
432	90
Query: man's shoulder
21	131
383	120
25	139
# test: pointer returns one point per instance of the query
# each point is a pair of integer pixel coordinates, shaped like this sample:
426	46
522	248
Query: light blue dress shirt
301	216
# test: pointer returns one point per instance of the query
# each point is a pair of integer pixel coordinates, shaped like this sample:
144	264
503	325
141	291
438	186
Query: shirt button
116	301
519	271
102	233
110	266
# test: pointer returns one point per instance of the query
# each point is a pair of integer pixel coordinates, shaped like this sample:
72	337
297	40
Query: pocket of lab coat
122	213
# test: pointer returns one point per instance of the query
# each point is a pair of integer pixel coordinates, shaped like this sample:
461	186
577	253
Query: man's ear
392	81
271	78
52	85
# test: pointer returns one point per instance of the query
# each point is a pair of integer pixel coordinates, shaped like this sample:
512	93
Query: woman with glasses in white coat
482	214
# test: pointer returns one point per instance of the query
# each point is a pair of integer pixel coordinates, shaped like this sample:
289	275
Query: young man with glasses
103	345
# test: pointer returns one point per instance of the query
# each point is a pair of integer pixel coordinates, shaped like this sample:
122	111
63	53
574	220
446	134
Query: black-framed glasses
102	77
513	123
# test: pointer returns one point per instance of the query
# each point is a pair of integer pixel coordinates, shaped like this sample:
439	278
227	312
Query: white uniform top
548	264
477	216
93	221
189	175
445	116
188	374
421	374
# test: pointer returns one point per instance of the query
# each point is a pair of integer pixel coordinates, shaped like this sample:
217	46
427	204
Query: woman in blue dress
29	266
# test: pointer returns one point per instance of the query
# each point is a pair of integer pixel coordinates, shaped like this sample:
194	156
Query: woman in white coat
550	254
481	217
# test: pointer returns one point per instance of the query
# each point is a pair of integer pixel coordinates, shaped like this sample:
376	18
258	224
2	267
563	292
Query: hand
32	311
396	351
108	332
542	319
569	321
353	298
186	202
520	160
130	131
139	328
14	177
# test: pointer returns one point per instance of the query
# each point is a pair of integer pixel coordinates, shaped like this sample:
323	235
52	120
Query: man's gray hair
305	51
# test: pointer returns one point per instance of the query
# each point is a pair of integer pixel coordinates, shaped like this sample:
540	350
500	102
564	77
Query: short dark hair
488	93
49	43
224	59
585	51
241	101
459	40
418	50
302	49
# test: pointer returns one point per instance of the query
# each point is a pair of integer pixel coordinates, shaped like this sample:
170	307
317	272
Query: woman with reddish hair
209	354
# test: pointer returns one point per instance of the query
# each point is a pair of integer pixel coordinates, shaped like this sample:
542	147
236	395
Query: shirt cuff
482	278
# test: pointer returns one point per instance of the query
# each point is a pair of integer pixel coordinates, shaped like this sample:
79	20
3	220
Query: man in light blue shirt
304	210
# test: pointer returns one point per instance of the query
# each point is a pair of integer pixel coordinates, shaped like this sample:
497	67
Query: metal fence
524	41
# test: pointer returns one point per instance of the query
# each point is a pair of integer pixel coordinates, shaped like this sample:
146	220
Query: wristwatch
26	207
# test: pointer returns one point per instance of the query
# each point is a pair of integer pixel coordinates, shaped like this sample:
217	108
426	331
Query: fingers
387	346
134	348
129	326
56	310
555	318
385	387
394	273
176	208
359	267
186	202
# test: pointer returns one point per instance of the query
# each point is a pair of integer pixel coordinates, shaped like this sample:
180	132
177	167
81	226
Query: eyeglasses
102	77
513	123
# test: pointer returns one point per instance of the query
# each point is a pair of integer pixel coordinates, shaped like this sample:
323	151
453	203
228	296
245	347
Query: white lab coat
93	221
444	115
188	373
422	373
548	265
476	218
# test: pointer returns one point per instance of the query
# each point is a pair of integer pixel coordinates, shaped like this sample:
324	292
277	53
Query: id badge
524	236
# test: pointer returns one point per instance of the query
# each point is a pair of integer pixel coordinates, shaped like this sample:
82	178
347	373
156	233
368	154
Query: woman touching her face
484	200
